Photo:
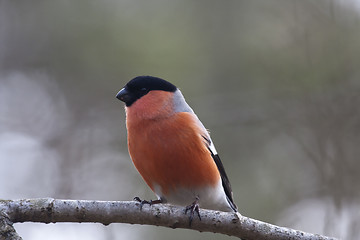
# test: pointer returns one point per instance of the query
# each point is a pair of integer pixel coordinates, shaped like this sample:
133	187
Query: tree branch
49	210
7	231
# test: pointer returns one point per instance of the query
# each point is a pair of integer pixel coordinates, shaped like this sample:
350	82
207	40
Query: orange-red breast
171	148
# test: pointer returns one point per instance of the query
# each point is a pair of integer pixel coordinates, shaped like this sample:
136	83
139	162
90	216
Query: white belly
209	197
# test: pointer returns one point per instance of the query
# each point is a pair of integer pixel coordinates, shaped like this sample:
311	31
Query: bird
171	148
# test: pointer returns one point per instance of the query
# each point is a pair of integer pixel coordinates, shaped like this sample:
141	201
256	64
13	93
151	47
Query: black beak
123	95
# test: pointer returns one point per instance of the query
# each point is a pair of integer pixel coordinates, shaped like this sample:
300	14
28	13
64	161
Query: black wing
224	178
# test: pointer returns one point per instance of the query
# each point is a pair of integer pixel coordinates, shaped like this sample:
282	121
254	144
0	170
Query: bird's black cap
140	86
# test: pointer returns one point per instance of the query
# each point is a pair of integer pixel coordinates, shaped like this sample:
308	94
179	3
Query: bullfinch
171	148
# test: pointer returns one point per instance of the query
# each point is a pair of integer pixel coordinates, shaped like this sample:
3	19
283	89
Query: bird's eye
144	90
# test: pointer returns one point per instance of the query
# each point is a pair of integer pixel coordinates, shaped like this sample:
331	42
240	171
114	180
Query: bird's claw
143	202
194	208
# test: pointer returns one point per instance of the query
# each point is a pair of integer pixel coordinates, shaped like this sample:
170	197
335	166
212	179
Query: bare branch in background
49	210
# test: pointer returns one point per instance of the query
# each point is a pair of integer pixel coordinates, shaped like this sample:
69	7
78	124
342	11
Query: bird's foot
193	208
143	202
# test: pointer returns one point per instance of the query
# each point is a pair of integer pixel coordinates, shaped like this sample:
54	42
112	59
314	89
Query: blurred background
277	82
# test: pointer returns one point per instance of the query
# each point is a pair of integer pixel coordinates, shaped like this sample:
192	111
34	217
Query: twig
49	210
7	231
